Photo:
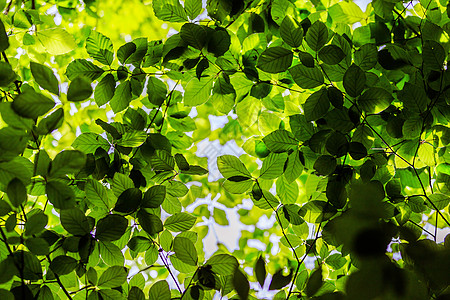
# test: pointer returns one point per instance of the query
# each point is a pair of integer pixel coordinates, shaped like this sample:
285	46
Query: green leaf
219	42
7	75
279	280
273	165
150	223
325	165
125	52
301	128
336	261
317	35
104	90
44	77
412	128
241	284
120	183
357	150
140	244
314	282
100	48
157	91
223	264
331	54
181	162
75	222
433	55
36	222
111	228
336	193
4	41
180	222
238	187
176	188
336	97
109	129
317	105
260	271
8	270
162	161
63	265
375	100
136	118
354	80
19	167
218	10
31	105
51	122
366	57
337	144
170	11
7	295
292	213
37	246
97	195
414	98
45	293
67	162
223	96
307	78
109	294
220	217
230	166
159	291
166	240
12	141
440	201
185	251
154	196
89	142
280	141
29	265
193	8
197	91
113	277
122	97
294	166
79	89
275	60
194	35
56	41
346	12
60	195
17	192
111	254
129	201
290	32
83	68
137	56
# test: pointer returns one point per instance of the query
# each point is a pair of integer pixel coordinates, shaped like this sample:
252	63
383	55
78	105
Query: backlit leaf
185	251
180	222
44	77
100	48
56	41
275	60
305	77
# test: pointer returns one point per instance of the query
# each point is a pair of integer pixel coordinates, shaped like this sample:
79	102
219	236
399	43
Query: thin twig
170	272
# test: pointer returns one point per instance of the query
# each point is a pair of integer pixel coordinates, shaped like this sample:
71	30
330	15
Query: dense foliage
343	115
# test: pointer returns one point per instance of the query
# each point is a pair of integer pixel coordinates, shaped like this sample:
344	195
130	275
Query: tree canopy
340	113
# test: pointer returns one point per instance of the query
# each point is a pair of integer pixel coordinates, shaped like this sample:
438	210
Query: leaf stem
58	280
170	272
303	259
